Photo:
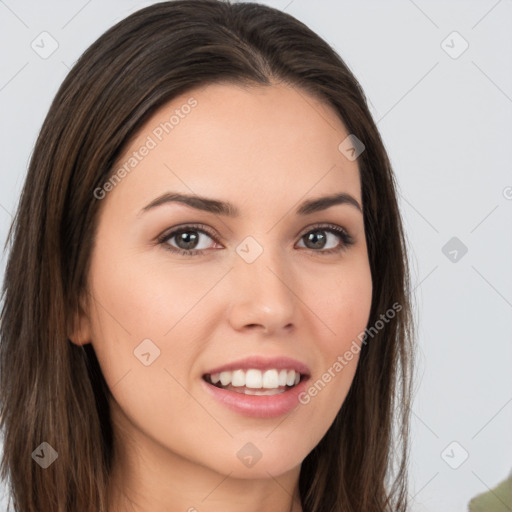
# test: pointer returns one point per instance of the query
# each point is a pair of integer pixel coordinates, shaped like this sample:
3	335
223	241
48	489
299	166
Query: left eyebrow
322	203
227	209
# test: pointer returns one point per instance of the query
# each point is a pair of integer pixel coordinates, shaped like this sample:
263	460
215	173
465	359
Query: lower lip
258	406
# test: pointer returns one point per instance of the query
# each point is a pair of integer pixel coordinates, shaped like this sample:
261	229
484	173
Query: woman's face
269	280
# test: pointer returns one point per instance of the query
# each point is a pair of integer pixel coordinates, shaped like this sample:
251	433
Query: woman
206	302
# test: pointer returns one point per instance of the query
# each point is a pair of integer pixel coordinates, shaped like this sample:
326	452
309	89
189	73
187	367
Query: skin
264	149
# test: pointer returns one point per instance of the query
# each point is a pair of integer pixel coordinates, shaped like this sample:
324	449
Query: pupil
315	238
190	241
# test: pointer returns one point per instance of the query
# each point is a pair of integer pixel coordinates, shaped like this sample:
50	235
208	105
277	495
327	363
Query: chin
249	462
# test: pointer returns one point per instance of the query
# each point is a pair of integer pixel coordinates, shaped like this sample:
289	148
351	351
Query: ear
79	330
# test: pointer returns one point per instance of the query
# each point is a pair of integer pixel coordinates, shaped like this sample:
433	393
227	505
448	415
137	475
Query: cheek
343	306
136	301
342	301
141	299
140	316
145	297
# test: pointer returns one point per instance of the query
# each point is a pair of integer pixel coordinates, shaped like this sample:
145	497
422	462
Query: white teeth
238	378
225	378
253	379
256	379
263	392
270	379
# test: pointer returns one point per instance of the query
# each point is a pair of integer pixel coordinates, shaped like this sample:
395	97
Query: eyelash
347	239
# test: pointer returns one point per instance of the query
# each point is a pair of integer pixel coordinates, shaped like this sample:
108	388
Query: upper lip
262	363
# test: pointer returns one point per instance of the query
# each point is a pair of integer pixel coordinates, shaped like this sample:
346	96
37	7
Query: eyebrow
227	209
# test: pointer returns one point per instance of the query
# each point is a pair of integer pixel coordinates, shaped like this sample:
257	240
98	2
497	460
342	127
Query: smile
258	387
254	381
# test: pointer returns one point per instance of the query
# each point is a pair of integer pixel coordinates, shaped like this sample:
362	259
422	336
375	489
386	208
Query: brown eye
321	236
188	240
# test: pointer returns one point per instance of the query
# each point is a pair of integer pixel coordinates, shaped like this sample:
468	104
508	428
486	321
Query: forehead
225	140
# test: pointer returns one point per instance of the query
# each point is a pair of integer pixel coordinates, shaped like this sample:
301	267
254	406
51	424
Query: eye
188	239
318	237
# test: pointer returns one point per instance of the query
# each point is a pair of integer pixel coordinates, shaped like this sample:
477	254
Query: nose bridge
264	284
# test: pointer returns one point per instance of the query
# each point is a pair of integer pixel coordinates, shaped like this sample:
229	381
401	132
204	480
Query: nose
262	294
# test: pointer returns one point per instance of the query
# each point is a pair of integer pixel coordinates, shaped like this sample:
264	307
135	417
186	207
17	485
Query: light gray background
446	123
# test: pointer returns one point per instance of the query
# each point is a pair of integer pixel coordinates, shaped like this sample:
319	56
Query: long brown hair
52	390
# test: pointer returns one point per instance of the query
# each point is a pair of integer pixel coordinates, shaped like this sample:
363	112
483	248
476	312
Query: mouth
258	386
254	381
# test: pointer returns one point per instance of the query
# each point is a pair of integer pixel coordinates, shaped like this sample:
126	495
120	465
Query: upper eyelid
192	227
